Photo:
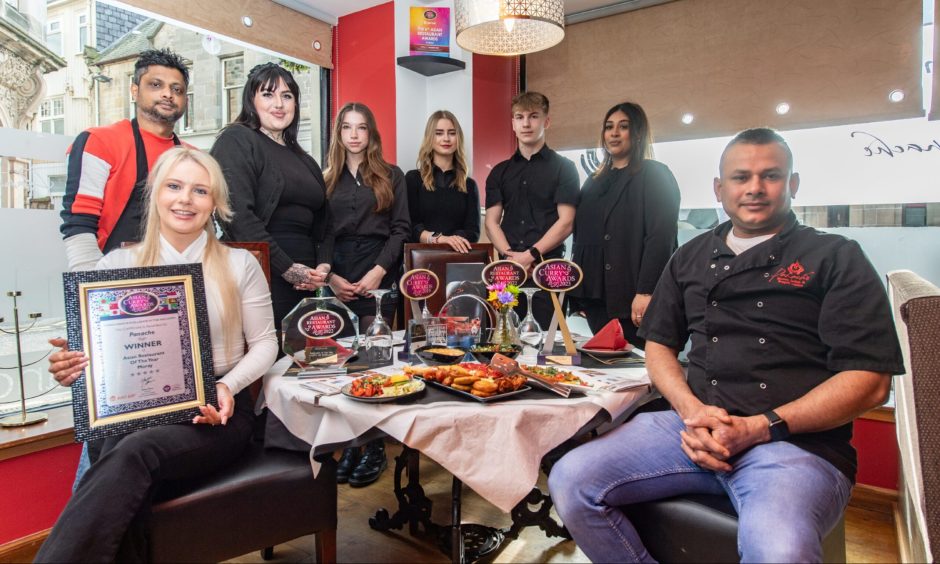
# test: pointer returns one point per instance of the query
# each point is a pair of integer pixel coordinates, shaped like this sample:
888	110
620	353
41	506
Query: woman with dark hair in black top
278	191
626	224
442	198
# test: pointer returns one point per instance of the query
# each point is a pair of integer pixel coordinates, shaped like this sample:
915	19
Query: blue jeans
84	463
787	499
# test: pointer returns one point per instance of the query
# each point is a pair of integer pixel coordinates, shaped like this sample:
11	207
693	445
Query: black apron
128	228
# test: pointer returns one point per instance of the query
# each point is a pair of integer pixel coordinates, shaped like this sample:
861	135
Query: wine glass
378	337
530	332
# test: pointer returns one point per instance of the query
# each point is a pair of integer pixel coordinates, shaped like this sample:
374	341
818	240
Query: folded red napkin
610	338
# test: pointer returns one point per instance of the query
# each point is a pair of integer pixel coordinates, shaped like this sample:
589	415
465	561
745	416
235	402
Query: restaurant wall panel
365	68
730	62
495	81
274	27
34	489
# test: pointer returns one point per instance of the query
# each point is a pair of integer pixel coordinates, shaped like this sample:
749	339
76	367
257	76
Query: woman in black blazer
278	191
625	227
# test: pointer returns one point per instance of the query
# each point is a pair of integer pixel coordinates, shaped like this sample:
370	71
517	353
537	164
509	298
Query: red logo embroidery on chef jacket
793	275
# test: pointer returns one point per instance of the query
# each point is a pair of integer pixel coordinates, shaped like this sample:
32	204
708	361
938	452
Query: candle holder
21	419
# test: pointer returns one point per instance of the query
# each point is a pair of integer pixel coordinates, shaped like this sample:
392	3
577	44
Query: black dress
365	238
278	196
624	233
445	209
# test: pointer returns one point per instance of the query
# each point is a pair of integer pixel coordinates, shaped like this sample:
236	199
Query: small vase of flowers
503	297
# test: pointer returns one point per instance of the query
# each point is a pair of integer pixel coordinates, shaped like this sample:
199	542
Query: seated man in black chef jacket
792	338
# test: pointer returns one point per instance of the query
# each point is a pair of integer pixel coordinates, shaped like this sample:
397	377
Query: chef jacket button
715	303
714	382
766	275
772	257
713	266
607	237
762	340
714	339
760	304
606	267
727	267
521	222
715	250
763	386
524	182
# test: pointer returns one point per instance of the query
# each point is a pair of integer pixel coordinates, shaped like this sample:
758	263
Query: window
233	78
82	33
54	37
187	122
131	104
52	116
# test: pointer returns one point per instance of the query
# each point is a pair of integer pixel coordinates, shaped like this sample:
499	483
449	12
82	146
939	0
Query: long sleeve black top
353	206
445	209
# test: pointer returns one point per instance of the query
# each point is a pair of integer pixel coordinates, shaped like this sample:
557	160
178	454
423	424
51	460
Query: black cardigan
255	188
639	238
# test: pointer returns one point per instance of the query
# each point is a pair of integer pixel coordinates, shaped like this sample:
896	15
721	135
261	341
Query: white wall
418	96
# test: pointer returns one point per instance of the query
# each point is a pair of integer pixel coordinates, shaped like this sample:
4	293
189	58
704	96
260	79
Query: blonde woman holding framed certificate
185	188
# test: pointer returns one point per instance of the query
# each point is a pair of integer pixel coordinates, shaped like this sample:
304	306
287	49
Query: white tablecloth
494	448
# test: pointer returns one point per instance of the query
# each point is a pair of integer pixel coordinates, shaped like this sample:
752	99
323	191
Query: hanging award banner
146	334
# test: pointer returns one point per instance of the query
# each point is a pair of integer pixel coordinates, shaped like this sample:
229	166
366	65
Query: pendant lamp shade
509	27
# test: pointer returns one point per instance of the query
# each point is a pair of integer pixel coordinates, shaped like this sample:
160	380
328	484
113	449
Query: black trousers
597	317
115	493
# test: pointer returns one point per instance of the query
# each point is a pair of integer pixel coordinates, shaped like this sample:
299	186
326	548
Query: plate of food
471	380
484	352
563	377
437	355
379	388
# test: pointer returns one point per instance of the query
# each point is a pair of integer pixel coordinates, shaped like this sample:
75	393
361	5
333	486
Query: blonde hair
215	263
426	153
376	173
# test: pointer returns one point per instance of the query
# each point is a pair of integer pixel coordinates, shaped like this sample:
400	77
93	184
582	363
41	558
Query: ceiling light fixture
247	21
896	96
783	108
687	118
509	27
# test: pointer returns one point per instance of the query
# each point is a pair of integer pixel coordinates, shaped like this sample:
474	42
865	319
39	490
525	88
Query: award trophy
417	285
309	333
557	276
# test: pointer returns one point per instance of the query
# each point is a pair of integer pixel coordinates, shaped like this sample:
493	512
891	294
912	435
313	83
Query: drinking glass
530	332
378	337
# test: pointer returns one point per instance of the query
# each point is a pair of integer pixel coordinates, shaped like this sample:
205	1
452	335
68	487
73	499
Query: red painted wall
495	83
877	446
364	68
34	488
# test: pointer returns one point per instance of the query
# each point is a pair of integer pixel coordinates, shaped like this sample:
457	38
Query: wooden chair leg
326	547
267	553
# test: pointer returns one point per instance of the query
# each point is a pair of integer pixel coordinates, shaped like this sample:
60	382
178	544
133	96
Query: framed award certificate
146	334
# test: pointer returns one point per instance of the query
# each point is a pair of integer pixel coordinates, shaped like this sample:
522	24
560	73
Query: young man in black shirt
792	339
531	197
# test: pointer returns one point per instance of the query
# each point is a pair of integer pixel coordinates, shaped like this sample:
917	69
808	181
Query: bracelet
329	276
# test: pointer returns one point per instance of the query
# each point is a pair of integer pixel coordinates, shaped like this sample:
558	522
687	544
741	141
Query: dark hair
641	138
530	101
758	136
162	58
265	77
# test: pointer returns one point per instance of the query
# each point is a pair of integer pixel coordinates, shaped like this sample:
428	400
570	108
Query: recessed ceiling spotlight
896	96
687	118
783	108
247	21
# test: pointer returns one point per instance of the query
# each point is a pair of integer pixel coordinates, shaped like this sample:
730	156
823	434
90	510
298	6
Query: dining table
497	448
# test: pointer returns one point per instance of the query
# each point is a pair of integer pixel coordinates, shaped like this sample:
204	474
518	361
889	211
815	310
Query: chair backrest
916	305
261	251
435	258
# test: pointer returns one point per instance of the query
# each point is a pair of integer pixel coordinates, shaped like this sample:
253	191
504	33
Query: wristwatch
778	427
535	254
434	237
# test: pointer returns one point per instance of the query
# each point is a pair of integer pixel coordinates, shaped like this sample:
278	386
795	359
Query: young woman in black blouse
442	198
626	223
370	210
278	191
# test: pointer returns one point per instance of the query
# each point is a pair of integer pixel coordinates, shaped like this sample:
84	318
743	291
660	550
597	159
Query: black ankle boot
347	463
371	466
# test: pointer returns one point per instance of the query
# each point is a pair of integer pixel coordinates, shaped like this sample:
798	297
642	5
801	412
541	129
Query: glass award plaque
311	334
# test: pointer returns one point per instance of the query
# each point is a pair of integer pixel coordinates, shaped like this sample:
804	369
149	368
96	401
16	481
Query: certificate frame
138	313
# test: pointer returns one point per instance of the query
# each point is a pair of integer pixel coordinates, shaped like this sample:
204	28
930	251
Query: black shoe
347	463
371	466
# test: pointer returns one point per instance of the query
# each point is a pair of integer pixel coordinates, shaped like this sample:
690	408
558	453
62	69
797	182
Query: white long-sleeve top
237	369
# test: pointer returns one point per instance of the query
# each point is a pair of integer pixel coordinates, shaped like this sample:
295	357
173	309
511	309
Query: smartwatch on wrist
778	427
434	237
535	254
329	276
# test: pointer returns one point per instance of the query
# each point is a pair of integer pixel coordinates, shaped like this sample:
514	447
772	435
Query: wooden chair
268	497
435	257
